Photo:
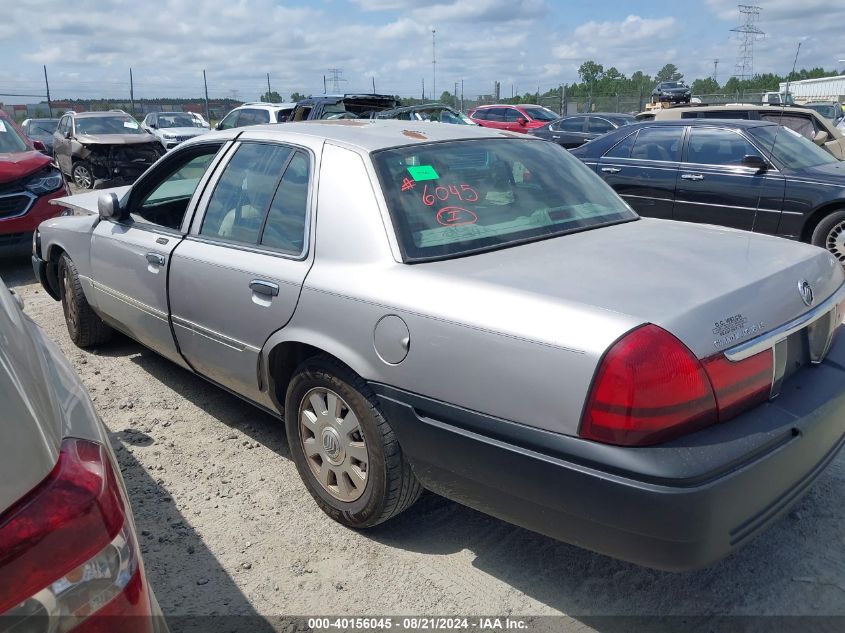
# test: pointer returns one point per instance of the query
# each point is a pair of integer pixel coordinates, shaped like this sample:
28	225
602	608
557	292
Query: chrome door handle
692	176
611	170
156	259
262	287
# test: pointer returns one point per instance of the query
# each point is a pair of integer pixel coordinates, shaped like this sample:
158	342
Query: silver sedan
474	312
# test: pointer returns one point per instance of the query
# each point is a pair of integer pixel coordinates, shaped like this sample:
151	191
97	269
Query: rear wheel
830	234
82	174
83	325
344	449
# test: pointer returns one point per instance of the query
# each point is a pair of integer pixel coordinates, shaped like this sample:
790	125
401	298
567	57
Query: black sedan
574	131
672	92
752	175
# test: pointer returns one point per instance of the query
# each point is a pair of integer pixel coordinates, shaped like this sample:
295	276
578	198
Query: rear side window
253	116
623	148
481	115
711	146
804	125
285	226
575	124
658	143
496	114
719	114
599	126
244	192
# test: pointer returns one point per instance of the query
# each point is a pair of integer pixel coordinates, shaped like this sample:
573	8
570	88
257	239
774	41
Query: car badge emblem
806	292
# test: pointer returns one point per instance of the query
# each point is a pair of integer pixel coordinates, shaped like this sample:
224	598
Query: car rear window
454	198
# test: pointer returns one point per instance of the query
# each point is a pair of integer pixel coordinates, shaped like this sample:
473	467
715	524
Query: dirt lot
227	527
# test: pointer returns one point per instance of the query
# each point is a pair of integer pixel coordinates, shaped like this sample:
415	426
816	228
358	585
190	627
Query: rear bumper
678	506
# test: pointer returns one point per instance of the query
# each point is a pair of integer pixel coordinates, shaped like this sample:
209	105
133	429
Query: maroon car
28	181
515	118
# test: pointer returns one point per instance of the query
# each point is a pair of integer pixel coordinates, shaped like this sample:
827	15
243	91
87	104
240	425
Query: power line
336	77
748	33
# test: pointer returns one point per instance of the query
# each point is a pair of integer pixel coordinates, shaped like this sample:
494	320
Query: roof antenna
780	123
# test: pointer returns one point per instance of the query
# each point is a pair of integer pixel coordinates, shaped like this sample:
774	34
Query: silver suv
255	114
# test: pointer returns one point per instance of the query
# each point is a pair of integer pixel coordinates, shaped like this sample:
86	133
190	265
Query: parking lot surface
227	527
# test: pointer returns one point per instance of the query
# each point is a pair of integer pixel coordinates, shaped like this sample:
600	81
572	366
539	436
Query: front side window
166	203
712	146
658	143
453	198
513	115
115	124
244	192
175	119
540	114
252	116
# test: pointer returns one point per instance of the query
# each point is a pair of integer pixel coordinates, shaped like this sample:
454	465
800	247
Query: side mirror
754	161
522	121
39	146
108	204
820	138
152	126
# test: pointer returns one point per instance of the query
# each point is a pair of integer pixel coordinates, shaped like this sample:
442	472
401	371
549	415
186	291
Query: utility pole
561	110
268	87
433	69
716	70
131	93
423	88
336	76
324	86
748	33
374	84
462	95
207	111
47	84
455	97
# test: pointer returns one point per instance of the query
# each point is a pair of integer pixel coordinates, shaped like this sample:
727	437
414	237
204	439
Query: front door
129	258
715	187
237	276
643	167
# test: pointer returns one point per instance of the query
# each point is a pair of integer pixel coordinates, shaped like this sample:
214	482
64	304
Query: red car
516	118
28	181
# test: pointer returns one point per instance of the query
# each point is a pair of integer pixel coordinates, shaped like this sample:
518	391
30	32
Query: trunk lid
710	286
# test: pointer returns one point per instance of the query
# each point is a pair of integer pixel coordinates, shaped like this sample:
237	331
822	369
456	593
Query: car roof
737	123
369	135
90	115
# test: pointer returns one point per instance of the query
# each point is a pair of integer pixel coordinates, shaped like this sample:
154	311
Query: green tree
446	97
669	73
271	97
295	96
590	72
705	86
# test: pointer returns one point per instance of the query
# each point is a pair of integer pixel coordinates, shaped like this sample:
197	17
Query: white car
256	113
172	128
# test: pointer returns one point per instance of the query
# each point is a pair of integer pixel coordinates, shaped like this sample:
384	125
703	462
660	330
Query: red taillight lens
67	550
742	384
649	387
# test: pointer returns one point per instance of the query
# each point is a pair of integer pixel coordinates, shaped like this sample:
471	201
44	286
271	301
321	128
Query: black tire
82	174
829	233
85	328
391	486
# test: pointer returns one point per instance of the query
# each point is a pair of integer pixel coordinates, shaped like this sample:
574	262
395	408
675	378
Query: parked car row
662	442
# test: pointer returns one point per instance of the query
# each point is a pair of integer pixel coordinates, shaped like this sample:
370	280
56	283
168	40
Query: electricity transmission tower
336	77
748	32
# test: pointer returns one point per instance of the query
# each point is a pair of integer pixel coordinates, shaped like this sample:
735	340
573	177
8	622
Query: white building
823	88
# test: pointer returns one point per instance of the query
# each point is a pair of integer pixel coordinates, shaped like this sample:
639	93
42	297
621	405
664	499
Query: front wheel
82	175
85	328
344	449
830	234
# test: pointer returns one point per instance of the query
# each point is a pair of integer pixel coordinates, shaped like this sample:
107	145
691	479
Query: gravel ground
228	528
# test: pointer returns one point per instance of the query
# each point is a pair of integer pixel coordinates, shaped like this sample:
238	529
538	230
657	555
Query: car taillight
68	553
650	388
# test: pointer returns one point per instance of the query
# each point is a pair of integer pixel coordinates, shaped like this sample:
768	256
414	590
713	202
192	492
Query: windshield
117	124
42	127
10	140
789	148
176	119
671	84
453	198
541	114
825	109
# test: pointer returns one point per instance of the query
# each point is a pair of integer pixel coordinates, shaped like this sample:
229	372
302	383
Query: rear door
495	118
237	276
570	132
129	258
714	187
61	144
643	168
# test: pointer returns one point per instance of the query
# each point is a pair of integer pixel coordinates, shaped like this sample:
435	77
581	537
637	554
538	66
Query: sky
89	46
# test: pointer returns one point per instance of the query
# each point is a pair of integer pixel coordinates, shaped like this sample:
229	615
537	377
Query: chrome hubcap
333	444
835	242
82	177
69	304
